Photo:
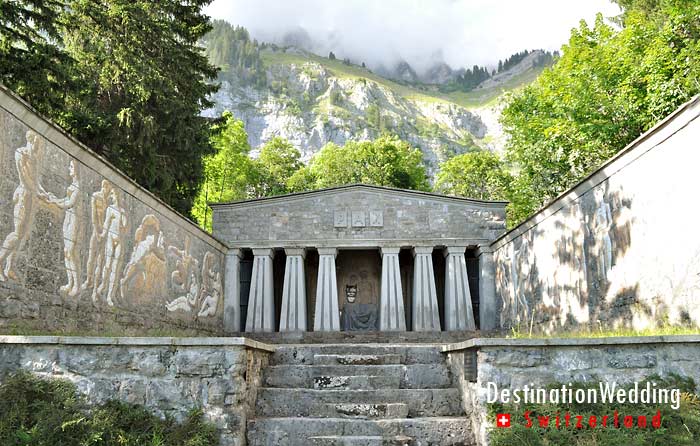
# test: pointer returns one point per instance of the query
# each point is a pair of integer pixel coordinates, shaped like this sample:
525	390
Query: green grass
663	330
678	427
338	69
38	412
488	96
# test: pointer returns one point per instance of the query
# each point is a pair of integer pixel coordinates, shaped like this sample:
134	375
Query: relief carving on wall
147	269
70	205
27	192
147	264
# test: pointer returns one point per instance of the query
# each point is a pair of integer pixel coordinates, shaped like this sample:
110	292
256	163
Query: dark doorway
246	272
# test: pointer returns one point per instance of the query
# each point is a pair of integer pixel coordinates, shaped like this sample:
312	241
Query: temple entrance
359	284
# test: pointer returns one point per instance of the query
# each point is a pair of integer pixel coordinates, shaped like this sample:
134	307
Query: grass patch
38	412
663	330
678	427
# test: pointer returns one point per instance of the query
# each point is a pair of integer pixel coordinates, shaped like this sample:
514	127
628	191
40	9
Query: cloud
421	32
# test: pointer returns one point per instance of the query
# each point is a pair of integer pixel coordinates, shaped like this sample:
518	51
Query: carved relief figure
147	259
70	204
602	224
189	300
98	206
185	263
26	193
113	230
211	286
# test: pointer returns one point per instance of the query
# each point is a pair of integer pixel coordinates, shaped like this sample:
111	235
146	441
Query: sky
421	32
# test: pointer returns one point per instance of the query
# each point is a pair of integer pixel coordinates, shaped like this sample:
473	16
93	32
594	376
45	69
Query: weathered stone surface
617	250
167	379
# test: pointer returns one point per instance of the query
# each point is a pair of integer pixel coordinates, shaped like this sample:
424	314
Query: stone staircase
358	395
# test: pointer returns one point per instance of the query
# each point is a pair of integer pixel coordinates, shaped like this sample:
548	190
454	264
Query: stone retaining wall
85	249
169	376
618	249
514	363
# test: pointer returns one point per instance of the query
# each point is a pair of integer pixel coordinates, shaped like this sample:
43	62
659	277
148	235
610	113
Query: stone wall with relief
621	249
84	249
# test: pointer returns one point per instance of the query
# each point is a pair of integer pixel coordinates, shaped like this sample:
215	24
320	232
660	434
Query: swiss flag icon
503	420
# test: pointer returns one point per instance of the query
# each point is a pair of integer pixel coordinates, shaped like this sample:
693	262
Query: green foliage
144	84
229	172
231	49
279	160
32	62
478	174
678	427
386	161
608	87
336	97
37	412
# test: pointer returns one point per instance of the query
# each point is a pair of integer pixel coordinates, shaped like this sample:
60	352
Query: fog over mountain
382	33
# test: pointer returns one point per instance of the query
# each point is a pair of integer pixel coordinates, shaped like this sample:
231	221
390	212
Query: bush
38	412
678	427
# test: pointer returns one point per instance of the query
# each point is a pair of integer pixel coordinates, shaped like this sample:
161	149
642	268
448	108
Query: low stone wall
619	249
514	363
85	249
169	376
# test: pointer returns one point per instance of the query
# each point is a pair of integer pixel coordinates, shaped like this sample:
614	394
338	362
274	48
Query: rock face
311	105
358	395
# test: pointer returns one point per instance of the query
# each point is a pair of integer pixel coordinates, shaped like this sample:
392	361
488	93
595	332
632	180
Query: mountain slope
311	100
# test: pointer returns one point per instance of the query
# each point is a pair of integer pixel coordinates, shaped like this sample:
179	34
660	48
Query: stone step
367	359
357	382
432	431
278	402
360	440
361	410
414	376
303	354
362	337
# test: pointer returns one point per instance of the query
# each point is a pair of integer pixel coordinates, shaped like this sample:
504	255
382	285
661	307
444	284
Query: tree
229	172
386	161
331	56
480	175
608	87
277	163
32	62
145	82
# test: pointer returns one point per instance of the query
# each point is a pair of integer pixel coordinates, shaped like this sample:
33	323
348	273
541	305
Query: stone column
391	312
326	316
232	291
487	289
261	302
293	316
459	314
426	315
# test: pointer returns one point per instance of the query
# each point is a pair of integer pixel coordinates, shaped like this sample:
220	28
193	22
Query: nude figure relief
145	273
24	201
184	278
211	286
71	206
95	262
113	232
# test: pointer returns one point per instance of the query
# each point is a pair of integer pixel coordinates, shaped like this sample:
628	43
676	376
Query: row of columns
459	314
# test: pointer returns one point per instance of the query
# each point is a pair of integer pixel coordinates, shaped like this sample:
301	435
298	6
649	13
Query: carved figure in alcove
211	286
24	201
357	316
70	205
185	264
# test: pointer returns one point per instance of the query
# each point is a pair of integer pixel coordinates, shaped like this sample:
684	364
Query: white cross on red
503	420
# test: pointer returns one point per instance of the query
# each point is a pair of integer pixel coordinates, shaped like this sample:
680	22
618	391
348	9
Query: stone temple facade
359	257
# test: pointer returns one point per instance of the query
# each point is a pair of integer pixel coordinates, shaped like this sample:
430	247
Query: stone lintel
235	252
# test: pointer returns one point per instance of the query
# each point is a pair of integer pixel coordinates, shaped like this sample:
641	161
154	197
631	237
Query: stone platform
365	337
356	394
